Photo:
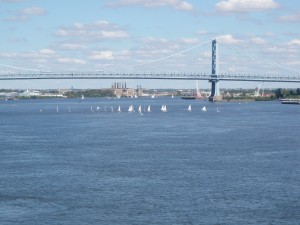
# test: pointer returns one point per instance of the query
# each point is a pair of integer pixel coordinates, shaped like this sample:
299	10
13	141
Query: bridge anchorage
215	91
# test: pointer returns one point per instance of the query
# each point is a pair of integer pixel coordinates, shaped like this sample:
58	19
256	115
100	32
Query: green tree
285	93
278	93
292	92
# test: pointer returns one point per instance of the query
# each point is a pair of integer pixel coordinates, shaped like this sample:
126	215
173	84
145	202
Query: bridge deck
167	76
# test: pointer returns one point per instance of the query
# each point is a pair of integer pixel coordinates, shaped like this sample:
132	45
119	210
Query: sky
90	35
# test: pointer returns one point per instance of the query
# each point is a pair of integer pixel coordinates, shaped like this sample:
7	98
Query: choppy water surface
61	163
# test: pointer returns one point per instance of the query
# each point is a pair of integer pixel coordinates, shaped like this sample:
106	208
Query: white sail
190	108
218	109
204	109
119	109
149	109
140	109
131	109
164	108
82	97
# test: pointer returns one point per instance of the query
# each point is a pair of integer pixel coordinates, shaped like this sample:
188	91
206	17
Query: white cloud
33	11
189	41
184	6
175	4
242	6
294	42
102	55
155	40
26	14
229	39
41	54
280	50
157	47
71	61
290	18
93	31
17	18
47	51
62	32
8	55
70	46
258	41
112	34
202	32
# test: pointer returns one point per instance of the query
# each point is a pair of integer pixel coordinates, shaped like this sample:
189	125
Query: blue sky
91	35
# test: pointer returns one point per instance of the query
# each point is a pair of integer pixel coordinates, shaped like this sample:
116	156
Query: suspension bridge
214	60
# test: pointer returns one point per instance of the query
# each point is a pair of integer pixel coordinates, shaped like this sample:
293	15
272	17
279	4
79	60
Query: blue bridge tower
215	91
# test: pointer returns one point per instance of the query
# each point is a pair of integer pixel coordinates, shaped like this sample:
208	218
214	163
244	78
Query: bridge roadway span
167	76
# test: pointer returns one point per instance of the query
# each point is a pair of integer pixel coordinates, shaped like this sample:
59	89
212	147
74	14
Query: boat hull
290	101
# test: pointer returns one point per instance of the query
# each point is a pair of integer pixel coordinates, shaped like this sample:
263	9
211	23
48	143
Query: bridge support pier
215	94
215	91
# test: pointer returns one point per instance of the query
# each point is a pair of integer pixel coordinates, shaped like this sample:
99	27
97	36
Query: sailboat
131	109
140	110
218	109
204	109
69	108
119	109
82	97
190	108
149	109
164	108
56	108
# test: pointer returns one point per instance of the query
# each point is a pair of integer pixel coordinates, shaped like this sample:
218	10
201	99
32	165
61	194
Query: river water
64	162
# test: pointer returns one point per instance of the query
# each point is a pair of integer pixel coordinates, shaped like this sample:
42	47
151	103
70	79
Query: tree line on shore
90	93
287	93
94	93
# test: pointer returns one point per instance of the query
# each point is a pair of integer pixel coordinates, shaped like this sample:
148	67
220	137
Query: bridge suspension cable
278	65
26	69
170	56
